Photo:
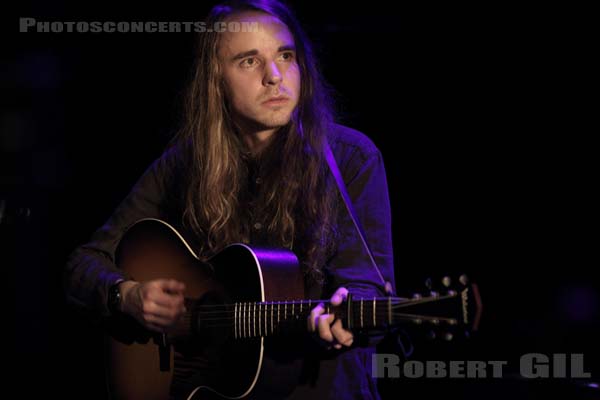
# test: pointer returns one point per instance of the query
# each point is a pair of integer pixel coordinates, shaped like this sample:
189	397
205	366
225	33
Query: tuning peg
446	281
448	336
463	279
435	321
417	296
418	321
434	294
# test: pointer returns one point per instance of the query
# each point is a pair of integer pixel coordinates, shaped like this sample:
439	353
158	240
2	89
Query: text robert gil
531	365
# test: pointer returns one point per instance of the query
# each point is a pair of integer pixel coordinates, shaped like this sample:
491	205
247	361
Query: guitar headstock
447	308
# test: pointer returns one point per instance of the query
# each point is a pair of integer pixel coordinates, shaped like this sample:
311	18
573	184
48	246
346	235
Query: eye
287	56
249	62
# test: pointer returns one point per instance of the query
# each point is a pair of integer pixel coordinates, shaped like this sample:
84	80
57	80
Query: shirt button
257	226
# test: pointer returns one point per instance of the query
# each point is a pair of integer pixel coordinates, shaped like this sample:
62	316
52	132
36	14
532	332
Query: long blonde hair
298	195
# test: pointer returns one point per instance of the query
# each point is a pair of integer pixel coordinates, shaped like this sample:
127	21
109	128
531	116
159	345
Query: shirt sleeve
91	269
351	266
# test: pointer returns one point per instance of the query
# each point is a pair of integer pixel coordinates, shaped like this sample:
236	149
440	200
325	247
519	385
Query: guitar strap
348	202
398	340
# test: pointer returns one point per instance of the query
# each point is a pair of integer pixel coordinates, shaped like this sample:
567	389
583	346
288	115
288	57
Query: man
249	166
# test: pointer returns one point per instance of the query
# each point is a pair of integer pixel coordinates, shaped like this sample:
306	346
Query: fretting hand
330	329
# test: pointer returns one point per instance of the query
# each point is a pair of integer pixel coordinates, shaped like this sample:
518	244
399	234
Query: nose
272	75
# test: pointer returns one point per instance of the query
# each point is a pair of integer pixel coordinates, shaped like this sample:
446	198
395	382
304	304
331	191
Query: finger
158	321
341	335
324	326
159	292
339	296
152	308
314	315
175	302
171	285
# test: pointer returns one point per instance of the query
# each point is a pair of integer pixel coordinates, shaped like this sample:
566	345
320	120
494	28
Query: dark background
483	116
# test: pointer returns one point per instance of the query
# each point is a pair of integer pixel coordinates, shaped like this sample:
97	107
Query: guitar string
407	317
382	306
293	316
226	312
382	300
229	308
379	315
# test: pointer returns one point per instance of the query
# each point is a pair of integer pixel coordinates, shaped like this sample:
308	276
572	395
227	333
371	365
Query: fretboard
249	320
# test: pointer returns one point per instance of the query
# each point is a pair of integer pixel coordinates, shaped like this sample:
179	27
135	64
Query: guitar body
204	359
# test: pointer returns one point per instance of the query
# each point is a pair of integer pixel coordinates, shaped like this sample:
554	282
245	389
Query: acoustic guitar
236	302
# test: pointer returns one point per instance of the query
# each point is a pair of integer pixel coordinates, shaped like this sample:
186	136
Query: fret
285	310
278	312
259	333
253	319
272	304
235	321
265	318
301	302
244	320
374	311
361	313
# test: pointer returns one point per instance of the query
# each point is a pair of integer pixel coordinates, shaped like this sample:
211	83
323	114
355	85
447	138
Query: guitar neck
262	319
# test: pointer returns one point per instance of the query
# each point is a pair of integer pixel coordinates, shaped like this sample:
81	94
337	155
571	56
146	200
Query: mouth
276	101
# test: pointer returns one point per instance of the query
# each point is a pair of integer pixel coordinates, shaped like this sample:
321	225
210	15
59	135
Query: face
260	71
